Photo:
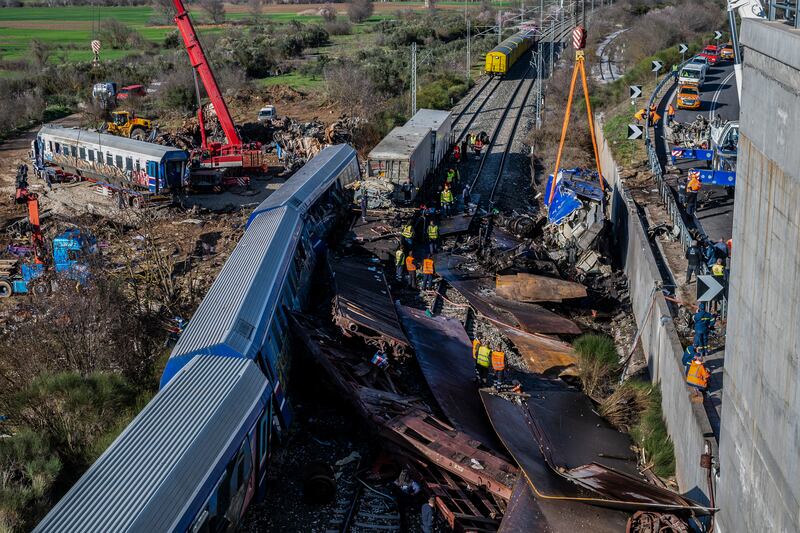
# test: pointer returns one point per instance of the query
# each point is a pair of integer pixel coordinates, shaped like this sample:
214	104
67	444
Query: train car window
119	161
74	151
224	493
128	163
82	151
275	333
109	159
138	166
91	155
263	435
50	144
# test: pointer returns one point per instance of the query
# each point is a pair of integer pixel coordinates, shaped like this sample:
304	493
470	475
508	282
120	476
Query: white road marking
716	95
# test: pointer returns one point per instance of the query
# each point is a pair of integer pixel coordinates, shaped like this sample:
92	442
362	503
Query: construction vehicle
18	276
726	52
688	97
215	159
126	124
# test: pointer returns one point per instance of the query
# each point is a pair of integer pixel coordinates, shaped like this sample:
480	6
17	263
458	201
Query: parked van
692	75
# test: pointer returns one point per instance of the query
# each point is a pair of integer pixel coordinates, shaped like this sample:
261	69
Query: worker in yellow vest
433	236
475	345
407	234
446	199
498	366
482	362
399	263
427	273
411	267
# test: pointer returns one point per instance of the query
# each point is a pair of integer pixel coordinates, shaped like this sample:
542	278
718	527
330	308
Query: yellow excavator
126	124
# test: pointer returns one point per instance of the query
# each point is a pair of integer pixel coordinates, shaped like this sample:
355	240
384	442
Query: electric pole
469	59
413	79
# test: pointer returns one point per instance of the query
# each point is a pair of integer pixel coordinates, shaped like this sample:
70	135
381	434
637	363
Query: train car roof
429	118
307	184
511	42
152	474
401	143
231	318
113	141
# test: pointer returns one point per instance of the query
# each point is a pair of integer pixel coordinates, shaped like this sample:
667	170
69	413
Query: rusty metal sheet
556	437
444	353
558	500
523	512
455	452
479	292
543	355
363	304
523	287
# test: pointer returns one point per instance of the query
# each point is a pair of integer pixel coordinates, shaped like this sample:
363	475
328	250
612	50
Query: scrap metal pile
529	453
693	134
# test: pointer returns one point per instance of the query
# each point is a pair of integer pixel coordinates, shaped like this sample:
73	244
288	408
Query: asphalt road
715	212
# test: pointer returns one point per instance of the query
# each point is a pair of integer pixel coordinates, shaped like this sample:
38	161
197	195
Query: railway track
360	508
492	84
605	53
493	160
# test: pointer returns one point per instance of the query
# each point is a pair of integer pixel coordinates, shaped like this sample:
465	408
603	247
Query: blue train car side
197	455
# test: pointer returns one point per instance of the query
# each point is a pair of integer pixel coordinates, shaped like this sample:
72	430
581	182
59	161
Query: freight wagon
408	154
501	58
130	168
197	454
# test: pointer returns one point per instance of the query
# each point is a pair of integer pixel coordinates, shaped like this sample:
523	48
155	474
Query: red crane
233	154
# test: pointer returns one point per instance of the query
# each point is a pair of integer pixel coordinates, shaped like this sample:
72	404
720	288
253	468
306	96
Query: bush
651	435
442	92
215	10
598	362
328	12
338	27
359	10
116	35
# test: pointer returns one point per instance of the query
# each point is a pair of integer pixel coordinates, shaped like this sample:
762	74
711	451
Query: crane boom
199	62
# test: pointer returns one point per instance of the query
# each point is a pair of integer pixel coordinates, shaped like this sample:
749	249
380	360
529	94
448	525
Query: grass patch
626	152
294	80
650	434
598	362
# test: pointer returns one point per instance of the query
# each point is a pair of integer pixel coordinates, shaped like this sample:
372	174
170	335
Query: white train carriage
119	163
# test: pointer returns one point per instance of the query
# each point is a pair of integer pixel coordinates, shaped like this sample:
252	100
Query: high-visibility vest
475	345
410	266
718	270
451	174
670	110
484	353
478	144
498	361
639	114
398	257
427	266
408	231
697	375
693	185
447	196
433	231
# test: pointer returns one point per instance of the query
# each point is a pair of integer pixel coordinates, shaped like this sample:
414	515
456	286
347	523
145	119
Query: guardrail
788	12
667	194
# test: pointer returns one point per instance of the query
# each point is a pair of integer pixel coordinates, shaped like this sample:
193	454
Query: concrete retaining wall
687	422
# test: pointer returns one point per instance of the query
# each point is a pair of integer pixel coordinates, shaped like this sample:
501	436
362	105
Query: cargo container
441	124
403	159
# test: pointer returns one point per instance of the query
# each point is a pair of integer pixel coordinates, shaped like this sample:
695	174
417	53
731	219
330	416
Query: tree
40	52
215	10
255	9
328	12
359	10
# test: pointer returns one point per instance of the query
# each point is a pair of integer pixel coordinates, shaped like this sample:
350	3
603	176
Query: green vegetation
650	433
598	362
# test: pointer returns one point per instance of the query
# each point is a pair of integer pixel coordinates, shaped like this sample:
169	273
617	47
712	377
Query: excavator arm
199	62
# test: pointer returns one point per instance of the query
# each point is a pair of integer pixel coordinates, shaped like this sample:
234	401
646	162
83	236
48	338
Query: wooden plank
525	287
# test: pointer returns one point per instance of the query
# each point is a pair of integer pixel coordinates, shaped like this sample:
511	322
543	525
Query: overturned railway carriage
196	456
119	163
501	58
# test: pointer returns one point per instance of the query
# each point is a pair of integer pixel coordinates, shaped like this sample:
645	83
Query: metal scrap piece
524	287
363	305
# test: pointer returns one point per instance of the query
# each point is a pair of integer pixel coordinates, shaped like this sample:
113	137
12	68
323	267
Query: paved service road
715	213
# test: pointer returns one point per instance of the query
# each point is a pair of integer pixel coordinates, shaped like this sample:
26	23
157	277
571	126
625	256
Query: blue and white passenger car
197	455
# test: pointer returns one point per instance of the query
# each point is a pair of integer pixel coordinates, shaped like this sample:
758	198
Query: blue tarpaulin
573	184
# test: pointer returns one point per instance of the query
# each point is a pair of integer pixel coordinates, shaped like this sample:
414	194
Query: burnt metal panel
363	305
444	354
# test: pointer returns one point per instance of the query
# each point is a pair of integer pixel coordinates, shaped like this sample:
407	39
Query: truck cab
692	74
725	142
131	91
266	114
711	52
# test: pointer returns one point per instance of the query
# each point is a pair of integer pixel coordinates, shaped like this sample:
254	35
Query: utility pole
413	79
469	59
552	46
499	27
541	13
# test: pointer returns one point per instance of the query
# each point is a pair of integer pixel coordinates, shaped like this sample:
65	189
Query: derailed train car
197	455
502	57
126	166
399	165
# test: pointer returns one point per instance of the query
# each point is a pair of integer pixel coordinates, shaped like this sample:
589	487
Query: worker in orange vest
698	375
639	115
670	114
499	366
427	273
411	268
692	188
